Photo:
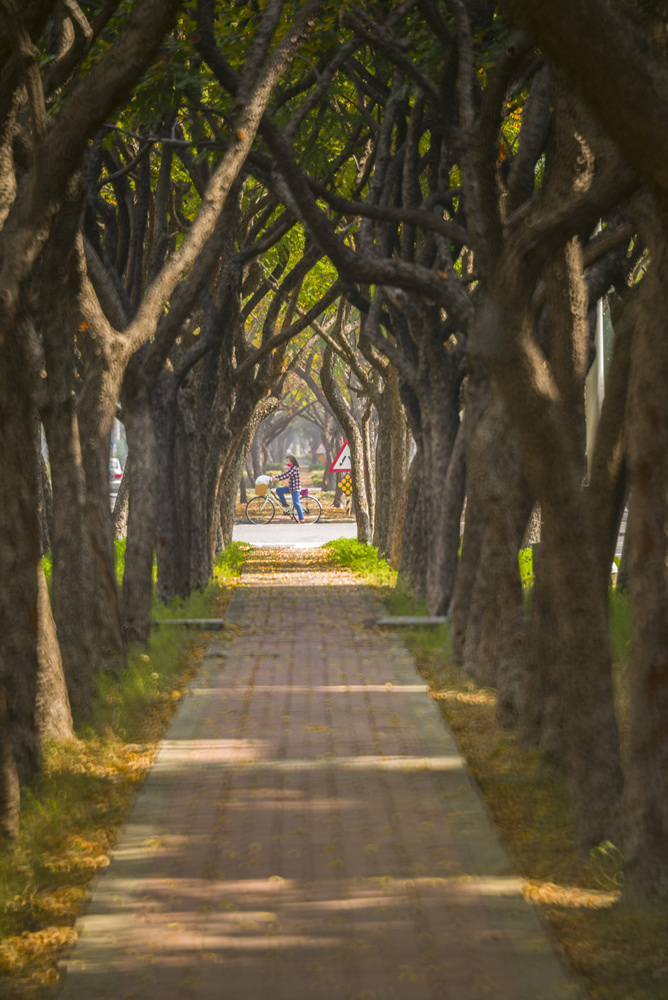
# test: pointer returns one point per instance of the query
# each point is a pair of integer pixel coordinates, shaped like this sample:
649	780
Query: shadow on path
309	829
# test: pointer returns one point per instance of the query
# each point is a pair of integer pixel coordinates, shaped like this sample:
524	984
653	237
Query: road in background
301	536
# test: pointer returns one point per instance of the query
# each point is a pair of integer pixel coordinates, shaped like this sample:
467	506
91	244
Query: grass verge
619	954
72	815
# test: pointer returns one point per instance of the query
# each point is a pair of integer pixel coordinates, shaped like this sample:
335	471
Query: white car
115	476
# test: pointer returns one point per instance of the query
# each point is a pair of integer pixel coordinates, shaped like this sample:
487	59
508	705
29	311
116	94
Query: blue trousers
282	491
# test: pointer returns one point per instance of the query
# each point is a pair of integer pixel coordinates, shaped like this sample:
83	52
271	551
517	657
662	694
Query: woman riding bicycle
294	484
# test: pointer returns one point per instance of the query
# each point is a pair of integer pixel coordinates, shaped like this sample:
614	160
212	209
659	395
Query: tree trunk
537	696
19	547
475	405
412	566
581	664
354	435
53	715
57	285
103	366
646	800
137	593
399	526
452	502
483	591
106	606
495	473
72	575
10	799
171	548
391	464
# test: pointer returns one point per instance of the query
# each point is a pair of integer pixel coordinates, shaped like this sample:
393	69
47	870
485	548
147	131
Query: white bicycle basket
262	484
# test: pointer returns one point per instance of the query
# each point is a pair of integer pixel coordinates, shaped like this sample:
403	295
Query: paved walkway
308	831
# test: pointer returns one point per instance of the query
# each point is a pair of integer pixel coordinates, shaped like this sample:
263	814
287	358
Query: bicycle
262	508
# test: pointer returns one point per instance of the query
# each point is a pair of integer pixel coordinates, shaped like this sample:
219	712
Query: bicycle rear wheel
312	509
260	510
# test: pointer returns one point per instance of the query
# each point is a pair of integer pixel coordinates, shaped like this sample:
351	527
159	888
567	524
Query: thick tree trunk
171	549
439	431
10	798
583	675
106	607
227	493
391	464
496	656
19	548
646	801
137	593
414	541
354	436
72	579
103	365
382	524
482	595
453	506
581	663
476	402
399	526
465	580
53	715
439	378
537	694
73	566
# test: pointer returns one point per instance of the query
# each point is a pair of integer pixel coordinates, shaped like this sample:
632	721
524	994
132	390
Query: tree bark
536	725
412	567
354	434
171	547
453	507
73	573
19	547
52	708
646	799
137	592
97	408
391	463
618	64
495	473
475	404
10	801
581	658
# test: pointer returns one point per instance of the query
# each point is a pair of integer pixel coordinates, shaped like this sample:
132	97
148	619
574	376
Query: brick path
308	831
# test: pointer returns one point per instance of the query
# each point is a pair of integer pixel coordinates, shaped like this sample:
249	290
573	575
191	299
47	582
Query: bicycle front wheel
312	509
260	510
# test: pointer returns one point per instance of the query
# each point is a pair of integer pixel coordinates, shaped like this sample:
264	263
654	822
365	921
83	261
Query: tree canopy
397	220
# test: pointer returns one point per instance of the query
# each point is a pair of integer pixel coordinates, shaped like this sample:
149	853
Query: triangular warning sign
342	462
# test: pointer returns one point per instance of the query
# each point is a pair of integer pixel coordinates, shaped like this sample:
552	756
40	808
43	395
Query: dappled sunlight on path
309	829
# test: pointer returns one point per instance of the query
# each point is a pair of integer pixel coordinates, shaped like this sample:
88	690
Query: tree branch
609	55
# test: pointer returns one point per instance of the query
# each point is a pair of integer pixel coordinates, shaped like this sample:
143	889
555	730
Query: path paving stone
309	830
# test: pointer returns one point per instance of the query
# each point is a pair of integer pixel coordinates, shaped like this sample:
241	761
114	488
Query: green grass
72	814
620	628
525	560
362	559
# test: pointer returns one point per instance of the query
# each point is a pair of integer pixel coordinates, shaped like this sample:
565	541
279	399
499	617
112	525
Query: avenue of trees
394	219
